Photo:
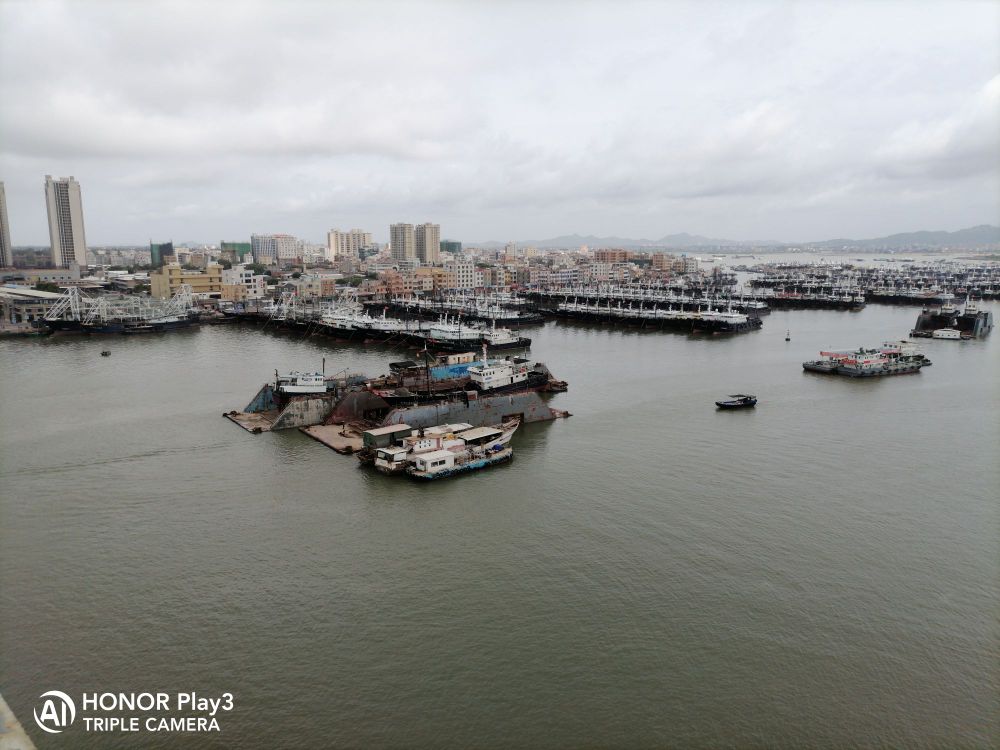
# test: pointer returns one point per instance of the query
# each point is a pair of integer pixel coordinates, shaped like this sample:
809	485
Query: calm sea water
819	572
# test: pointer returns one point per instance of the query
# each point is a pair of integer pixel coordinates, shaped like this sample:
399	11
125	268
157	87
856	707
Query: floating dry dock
337	411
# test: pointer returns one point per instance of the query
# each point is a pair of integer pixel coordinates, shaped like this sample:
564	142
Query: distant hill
576	240
984	234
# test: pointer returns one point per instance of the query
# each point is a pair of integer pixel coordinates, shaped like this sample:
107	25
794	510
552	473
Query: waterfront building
313	286
464	273
161	253
33	276
402	242
428	242
21	306
661	261
451	246
164	281
686	264
269	249
435	279
66	233
341	245
6	251
241	283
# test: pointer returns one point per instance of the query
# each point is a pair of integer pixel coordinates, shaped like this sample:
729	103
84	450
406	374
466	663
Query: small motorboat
105	353
738	401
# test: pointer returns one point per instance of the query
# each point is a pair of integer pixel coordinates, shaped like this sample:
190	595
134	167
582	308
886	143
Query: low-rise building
241	283
163	282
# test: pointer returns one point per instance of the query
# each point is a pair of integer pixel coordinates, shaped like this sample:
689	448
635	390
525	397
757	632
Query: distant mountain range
984	234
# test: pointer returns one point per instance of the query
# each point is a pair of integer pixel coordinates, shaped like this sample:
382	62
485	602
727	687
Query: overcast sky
739	120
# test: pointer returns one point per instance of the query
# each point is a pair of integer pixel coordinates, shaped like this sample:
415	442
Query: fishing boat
738	401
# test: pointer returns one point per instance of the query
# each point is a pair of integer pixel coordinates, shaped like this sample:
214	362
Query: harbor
593	517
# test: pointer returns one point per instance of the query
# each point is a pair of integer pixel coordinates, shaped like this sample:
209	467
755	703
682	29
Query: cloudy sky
741	120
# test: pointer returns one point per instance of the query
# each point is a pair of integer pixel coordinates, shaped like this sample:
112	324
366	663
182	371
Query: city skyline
635	120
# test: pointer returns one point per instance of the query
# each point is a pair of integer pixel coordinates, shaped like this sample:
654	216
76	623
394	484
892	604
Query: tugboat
738	401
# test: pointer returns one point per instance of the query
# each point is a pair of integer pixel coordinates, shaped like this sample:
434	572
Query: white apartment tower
428	241
69	244
402	242
6	254
341	245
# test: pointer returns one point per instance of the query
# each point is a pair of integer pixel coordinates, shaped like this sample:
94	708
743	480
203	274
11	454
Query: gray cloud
786	120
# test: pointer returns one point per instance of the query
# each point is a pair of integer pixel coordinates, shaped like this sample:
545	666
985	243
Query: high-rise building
273	248
402	242
6	253
428	242
340	245
451	246
159	252
69	244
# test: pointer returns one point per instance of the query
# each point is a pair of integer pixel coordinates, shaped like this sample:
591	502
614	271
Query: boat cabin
434	461
383	437
392	458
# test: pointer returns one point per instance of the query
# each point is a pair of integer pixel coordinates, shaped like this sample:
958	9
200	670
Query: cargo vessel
888	359
970	323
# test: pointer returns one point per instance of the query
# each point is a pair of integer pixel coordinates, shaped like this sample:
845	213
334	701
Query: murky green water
819	572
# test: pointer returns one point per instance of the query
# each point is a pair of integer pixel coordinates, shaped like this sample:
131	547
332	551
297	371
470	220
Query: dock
343	438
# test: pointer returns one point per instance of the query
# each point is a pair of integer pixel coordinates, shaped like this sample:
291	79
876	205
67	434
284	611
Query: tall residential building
6	253
69	244
428	241
451	246
402	242
340	245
